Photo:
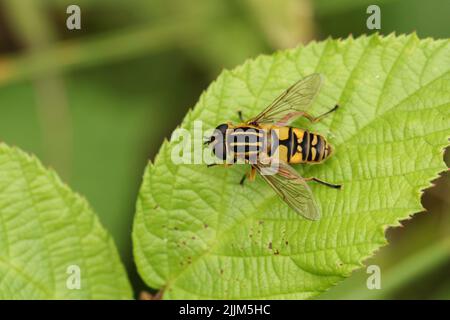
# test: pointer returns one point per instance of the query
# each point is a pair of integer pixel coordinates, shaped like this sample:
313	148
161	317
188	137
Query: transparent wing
291	103
292	188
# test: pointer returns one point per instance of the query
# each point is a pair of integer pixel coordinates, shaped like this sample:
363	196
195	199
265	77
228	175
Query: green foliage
198	234
45	228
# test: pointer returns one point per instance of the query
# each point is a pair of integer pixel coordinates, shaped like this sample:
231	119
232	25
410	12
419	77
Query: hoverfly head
217	141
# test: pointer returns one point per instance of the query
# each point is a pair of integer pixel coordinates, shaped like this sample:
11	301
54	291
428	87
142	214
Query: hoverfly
268	138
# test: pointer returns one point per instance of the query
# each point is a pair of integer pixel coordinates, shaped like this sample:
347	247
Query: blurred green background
95	104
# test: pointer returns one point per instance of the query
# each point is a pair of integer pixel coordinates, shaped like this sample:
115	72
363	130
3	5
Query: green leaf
47	234
198	234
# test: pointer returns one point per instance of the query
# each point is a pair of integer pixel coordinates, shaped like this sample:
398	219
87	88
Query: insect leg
335	186
240	115
318	118
251	175
243	179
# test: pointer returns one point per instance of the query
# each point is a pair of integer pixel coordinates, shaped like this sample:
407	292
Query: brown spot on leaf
270	245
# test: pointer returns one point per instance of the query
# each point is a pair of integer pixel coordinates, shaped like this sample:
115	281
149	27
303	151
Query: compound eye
220	151
222	129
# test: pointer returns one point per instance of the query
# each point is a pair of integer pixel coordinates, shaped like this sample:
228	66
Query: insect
267	141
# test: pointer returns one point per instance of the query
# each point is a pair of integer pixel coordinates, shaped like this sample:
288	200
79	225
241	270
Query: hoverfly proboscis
267	138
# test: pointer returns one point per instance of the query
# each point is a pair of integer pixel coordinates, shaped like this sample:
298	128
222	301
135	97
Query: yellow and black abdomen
308	147
295	145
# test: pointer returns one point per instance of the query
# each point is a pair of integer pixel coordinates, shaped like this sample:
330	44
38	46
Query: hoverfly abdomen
280	142
320	149
308	147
